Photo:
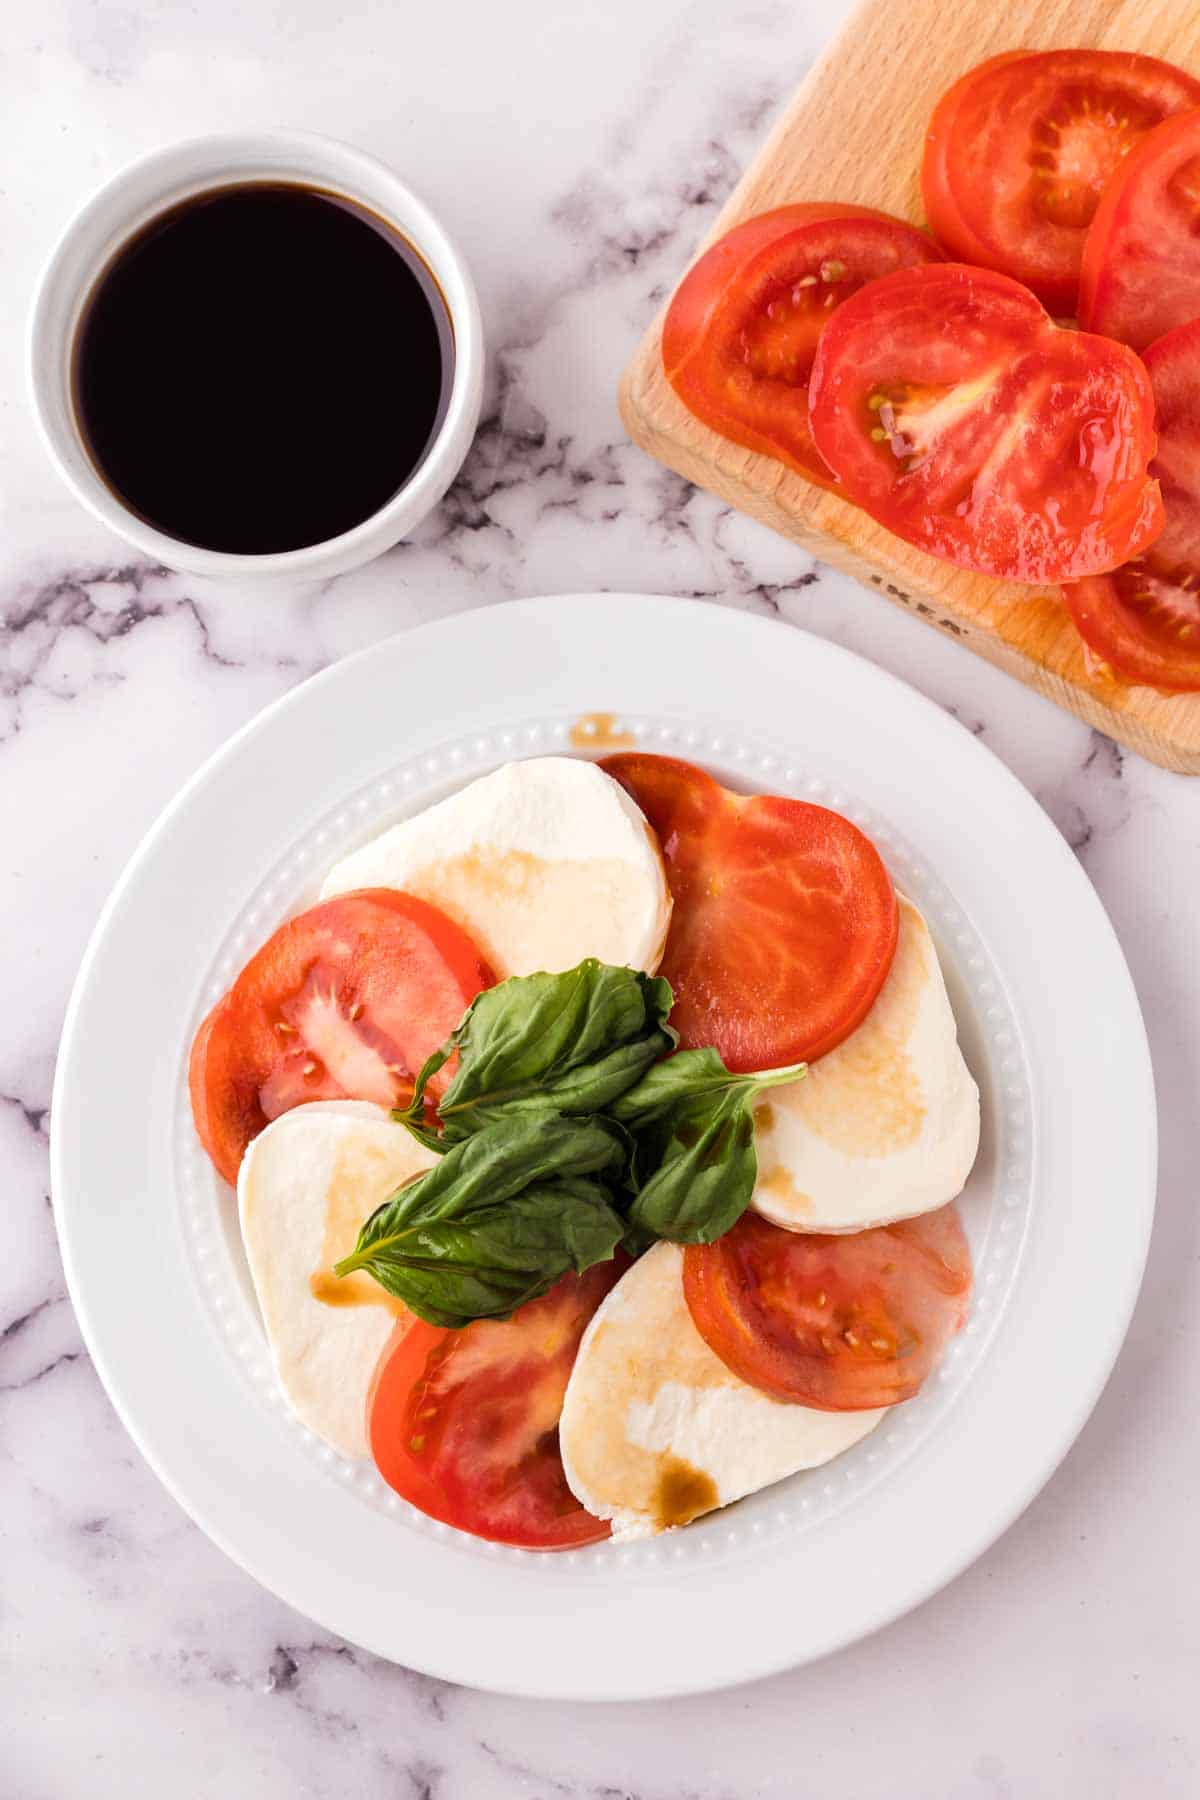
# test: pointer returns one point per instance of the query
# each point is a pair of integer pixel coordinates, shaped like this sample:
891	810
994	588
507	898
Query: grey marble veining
578	156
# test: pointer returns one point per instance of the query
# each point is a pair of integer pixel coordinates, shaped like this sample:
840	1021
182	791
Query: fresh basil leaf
705	1173
451	1271
417	1127
498	1220
636	1241
492	1167
695	1165
413	1115
686	1076
569	1043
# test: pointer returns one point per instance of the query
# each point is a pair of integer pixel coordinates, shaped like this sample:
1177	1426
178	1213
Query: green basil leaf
705	1173
498	1220
568	1043
695	1165
413	1115
490	1168
432	1140
686	1076
451	1271
636	1241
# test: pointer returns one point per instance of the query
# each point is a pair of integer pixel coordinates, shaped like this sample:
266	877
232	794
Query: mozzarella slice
655	1430
884	1127
542	863
305	1186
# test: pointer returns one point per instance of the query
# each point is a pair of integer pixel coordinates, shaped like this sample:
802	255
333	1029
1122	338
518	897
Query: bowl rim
149	186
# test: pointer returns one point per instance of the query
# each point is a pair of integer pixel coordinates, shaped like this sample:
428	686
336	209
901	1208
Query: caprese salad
596	1136
937	378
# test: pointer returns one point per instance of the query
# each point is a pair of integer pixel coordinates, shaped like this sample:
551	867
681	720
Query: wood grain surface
855	131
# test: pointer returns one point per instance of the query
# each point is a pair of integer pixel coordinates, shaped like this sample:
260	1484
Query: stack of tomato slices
943	397
783	932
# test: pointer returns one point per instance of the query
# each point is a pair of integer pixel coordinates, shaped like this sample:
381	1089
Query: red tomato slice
464	1423
1141	262
952	229
1020	150
1143	620
344	1002
958	415
785	918
840	1323
740	334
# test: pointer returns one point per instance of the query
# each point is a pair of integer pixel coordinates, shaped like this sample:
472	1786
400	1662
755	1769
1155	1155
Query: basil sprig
497	1221
569	1043
567	1128
694	1164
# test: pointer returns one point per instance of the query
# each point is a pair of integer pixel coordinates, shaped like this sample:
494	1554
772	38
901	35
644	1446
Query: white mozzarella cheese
884	1127
542	863
305	1186
655	1430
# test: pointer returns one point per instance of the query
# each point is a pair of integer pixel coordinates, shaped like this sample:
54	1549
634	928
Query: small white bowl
162	180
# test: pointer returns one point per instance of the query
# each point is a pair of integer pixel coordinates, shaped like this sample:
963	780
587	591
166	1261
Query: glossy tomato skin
785	918
740	334
1020	150
958	415
841	1323
946	221
464	1424
343	1002
1141	262
1143	620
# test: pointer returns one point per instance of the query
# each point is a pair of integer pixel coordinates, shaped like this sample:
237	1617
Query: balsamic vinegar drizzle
262	368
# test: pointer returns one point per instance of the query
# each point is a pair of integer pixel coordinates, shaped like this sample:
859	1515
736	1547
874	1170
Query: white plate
1058	1210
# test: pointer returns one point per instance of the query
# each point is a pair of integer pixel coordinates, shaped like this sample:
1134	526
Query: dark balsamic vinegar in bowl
262	368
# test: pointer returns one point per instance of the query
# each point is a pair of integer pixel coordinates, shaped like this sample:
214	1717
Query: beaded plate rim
998	1221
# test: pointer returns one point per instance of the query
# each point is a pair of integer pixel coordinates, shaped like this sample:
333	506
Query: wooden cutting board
855	131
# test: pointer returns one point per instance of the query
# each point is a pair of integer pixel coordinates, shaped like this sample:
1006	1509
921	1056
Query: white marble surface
577	153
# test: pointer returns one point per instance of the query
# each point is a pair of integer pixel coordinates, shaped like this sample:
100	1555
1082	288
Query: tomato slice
1141	262
785	918
840	1323
1143	620
951	228
958	415
464	1423
740	334
344	1002
1020	150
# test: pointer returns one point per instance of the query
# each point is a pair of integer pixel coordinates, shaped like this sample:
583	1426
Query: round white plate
1058	1212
